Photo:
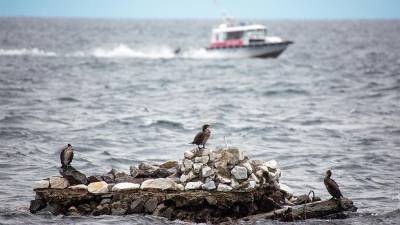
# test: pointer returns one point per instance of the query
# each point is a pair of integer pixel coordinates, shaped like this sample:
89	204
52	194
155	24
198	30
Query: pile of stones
226	170
201	169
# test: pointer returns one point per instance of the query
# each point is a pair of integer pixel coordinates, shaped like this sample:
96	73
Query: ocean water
115	90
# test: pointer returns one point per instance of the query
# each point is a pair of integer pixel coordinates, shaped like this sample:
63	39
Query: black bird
332	186
202	137
66	156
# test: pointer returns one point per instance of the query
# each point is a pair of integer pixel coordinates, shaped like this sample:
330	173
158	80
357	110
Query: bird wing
69	154
197	140
62	156
205	137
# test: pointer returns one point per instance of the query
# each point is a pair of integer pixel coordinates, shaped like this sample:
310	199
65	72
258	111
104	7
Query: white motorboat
231	40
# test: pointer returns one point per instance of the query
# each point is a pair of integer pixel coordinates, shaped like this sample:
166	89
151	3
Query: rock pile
226	170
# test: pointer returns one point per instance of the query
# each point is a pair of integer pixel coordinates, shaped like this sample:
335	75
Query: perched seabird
202	137
332	186
66	156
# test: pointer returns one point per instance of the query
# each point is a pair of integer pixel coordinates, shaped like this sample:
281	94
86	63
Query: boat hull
268	50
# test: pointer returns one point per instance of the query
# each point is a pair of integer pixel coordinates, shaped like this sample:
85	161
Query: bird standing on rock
202	137
66	156
332	186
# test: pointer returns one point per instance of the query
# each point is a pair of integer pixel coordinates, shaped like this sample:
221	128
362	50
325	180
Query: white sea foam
123	51
26	51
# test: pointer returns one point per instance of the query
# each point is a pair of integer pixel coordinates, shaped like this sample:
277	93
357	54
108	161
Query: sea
116	91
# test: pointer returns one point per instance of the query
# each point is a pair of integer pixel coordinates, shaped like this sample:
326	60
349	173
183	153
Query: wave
26	51
123	51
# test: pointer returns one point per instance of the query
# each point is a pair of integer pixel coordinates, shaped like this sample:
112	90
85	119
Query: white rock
249	168
235	184
252	184
193	185
78	187
202	159
239	172
272	165
160	184
40	184
98	187
212	156
187	177
180	187
222	179
224	188
286	188
189	154
206	171
210	185
274	176
58	182
187	164
255	178
125	187
259	173
264	168
197	167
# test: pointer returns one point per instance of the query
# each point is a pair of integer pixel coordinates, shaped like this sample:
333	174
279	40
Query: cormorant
66	156
202	137
332	186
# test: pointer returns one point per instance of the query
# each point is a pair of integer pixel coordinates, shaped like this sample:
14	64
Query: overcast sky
204	9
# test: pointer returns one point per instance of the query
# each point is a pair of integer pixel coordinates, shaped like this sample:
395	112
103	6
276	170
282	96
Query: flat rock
125	186
193	185
239	172
73	175
160	184
222	179
202	159
40	184
78	187
210	185
169	164
224	188
248	166
98	187
58	182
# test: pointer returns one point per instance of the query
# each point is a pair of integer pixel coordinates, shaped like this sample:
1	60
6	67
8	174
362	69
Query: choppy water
115	90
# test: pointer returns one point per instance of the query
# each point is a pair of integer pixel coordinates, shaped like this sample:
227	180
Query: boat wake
118	51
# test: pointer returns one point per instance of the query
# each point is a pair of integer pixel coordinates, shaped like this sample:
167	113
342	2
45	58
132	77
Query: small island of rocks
213	186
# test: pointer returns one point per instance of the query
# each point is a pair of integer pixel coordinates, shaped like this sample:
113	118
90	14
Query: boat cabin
230	36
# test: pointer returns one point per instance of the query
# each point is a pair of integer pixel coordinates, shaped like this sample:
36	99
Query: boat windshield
256	34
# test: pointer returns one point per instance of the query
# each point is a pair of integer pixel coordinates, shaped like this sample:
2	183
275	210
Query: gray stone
197	167
193	185
224	188
222	179
210	185
169	164
78	187
254	177
189	155
160	184
187	177
137	206
239	172
252	184
36	205
248	166
150	205
147	166
202	159
134	171
40	184
58	182
98	187
187	164
274	176
206	171
235	184
125	186
119	208
73	175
